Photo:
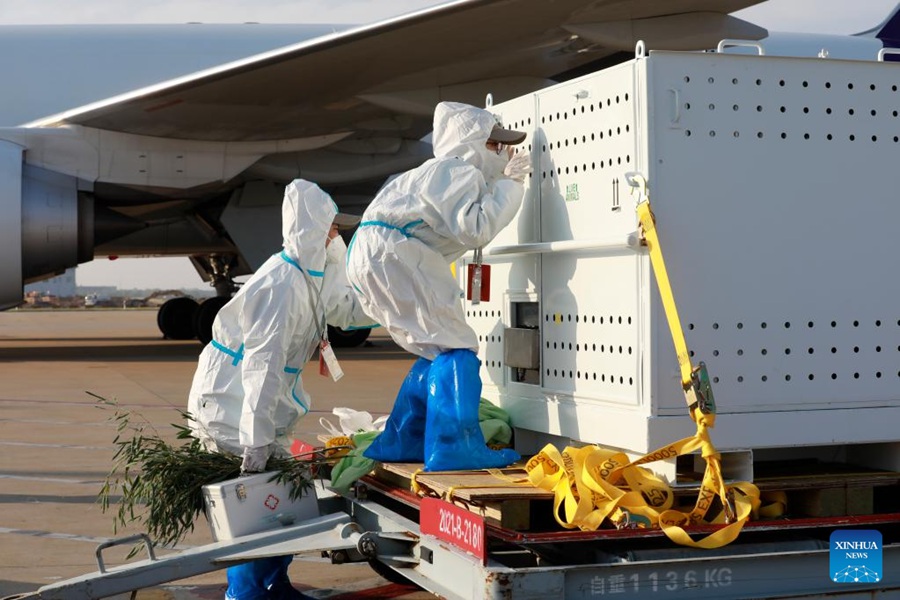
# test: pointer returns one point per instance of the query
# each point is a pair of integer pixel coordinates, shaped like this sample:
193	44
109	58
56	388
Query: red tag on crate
484	283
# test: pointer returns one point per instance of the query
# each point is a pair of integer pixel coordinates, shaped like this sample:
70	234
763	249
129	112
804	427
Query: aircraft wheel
341	338
175	318
206	315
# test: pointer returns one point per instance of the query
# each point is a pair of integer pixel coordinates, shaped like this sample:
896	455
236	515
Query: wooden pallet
499	502
813	490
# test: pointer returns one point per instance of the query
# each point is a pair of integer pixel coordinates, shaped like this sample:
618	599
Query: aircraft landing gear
205	315
175	318
221	279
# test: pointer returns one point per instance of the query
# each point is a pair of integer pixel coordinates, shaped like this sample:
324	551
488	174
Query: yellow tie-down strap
592	484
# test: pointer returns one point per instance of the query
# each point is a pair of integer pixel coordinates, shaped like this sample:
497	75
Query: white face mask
493	164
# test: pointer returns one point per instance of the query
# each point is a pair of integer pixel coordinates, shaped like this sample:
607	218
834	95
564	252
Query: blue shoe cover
403	437
254	580
453	439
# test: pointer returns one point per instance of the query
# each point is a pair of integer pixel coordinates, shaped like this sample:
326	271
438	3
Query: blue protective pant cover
453	438
403	437
261	579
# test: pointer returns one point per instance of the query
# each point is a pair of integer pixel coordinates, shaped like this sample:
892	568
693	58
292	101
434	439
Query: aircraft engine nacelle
45	225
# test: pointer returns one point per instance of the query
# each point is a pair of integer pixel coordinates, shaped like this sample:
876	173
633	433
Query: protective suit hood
306	216
461	130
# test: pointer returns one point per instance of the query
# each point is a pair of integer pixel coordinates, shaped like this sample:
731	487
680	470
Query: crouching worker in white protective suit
247	392
398	263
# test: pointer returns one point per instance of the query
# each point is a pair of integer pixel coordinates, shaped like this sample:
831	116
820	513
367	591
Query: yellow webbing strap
648	223
591	484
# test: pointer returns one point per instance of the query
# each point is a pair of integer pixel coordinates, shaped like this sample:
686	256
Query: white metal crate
773	182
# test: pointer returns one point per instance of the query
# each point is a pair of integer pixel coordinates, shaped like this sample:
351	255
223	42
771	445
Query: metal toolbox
252	504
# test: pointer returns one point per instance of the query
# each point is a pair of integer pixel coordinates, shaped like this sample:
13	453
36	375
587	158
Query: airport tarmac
56	441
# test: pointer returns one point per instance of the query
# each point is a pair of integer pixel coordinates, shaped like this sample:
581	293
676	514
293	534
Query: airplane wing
196	165
350	81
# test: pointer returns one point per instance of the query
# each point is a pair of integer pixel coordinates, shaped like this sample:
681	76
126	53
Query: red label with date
454	525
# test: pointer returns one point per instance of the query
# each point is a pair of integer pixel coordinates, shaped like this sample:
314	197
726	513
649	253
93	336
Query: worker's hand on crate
255	459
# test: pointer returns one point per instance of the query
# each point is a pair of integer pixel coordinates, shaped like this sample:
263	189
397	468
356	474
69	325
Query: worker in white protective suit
398	263
247	391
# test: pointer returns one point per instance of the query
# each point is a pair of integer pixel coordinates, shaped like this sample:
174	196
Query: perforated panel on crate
518	274
589	309
774	185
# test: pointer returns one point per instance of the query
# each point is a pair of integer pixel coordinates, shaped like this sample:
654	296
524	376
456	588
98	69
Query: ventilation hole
834	323
833	350
851	112
787	377
834	375
878	323
810	351
856	323
877	374
787	350
740	352
763	325
856	376
715	326
787	324
764	351
856	349
849	86
715	352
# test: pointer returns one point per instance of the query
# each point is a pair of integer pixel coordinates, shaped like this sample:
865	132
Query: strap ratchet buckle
699	391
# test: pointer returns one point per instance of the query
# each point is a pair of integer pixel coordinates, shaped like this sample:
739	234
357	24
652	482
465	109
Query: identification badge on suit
328	362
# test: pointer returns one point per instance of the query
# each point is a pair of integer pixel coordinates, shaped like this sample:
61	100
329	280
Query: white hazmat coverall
398	263
424	220
247	391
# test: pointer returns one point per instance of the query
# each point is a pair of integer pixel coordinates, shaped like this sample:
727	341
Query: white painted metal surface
773	181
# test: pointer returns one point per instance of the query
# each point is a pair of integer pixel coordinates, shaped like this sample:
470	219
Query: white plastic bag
350	421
